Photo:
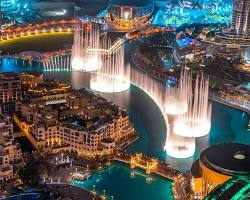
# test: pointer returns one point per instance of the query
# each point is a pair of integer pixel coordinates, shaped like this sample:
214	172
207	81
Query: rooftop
235	188
8	76
231	158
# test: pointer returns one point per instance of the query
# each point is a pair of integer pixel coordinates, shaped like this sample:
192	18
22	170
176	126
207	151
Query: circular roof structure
230	159
133	3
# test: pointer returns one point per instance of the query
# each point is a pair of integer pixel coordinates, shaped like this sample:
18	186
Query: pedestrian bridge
150	165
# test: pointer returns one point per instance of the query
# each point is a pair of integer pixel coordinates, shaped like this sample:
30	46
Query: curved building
218	164
128	14
236	188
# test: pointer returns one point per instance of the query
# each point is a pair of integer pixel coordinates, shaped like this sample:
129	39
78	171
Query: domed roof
231	158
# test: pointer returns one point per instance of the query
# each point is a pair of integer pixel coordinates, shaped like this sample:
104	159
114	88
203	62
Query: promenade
72	191
243	106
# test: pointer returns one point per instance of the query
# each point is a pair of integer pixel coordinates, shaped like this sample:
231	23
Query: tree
36	167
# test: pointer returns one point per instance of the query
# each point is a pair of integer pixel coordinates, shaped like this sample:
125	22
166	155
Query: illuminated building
236	188
188	12
239	34
84	123
241	17
218	164
49	92
12	89
10	151
30	79
10	92
126	16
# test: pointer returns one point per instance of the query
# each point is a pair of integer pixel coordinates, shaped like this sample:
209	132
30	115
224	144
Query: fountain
183	127
196	122
77	50
155	89
82	59
57	63
92	59
114	76
176	98
180	147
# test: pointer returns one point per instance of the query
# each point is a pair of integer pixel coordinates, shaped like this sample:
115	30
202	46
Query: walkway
74	192
240	105
149	164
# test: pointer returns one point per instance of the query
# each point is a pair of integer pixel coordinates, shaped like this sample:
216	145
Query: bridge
130	36
181	182
117	44
150	165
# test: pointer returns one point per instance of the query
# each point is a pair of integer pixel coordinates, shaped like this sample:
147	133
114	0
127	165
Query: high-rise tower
241	17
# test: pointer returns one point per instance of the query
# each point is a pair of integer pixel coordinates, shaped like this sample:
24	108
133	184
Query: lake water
228	125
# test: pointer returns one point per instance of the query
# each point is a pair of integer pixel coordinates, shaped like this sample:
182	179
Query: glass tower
241	17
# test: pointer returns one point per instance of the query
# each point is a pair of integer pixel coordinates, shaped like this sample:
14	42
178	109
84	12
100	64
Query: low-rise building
218	164
84	123
13	87
48	92
10	92
10	151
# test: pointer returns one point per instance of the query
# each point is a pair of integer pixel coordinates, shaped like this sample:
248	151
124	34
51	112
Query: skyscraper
241	17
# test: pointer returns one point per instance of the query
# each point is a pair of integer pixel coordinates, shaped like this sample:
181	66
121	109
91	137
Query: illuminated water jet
92	60
176	98
114	75
152	87
197	121
77	62
57	63
82	59
180	147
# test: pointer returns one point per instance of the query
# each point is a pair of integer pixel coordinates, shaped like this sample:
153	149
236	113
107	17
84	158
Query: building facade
13	87
10	151
85	124
127	17
241	17
218	164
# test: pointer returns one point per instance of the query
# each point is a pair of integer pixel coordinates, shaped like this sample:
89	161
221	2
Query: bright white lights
92	60
81	59
196	122
190	115
180	147
77	51
92	64
192	128
109	84
114	76
77	63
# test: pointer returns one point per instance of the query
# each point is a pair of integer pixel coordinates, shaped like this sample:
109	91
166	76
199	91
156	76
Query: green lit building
236	188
